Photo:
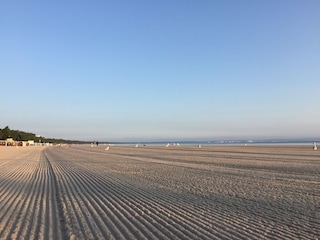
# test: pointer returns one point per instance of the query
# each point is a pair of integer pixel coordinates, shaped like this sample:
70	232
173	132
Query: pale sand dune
159	193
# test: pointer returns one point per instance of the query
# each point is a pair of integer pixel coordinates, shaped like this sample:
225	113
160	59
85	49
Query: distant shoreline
216	143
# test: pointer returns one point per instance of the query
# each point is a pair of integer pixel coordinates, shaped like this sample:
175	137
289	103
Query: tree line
18	135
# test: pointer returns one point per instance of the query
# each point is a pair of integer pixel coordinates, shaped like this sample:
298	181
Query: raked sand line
27	199
124	205
226	224
160	193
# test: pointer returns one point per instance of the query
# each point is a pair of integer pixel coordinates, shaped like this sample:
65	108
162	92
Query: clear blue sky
171	69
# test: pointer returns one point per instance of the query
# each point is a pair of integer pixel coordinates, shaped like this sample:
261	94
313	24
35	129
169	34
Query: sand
185	192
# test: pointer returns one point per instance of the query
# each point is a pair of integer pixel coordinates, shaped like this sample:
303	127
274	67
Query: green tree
6	132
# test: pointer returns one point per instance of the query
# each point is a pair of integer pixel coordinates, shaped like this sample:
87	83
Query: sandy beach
154	192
